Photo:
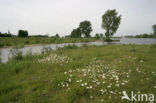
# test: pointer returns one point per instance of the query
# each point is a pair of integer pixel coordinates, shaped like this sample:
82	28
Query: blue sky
62	16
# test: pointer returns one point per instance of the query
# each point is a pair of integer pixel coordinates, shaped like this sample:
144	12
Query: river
5	52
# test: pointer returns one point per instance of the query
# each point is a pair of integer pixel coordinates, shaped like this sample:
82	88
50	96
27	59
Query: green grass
87	74
17	41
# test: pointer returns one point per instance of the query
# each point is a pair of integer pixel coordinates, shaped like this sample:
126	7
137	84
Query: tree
110	22
76	33
22	33
97	36
86	28
9	33
101	35
154	29
57	36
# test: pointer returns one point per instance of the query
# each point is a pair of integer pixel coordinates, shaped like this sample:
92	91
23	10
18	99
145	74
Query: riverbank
21	42
86	74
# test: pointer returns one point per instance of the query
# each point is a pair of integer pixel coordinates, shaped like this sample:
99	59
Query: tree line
145	35
5	34
21	33
110	23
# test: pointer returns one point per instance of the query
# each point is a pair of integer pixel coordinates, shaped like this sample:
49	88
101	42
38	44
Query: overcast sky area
62	16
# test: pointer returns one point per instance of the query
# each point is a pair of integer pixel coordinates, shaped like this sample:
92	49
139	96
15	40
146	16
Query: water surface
5	52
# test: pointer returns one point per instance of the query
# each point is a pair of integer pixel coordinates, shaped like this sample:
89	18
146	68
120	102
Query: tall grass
16	54
87	74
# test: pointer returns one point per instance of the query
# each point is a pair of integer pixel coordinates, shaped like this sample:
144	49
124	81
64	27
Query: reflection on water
5	52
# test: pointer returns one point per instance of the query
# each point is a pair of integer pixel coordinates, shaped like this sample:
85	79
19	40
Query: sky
62	16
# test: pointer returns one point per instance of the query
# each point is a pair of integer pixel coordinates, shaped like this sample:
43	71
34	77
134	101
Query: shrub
71	46
22	33
16	54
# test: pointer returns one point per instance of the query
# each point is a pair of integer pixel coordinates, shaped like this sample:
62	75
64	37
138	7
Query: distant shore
34	41
29	41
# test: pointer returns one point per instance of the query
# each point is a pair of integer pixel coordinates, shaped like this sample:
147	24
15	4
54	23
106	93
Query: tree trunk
107	35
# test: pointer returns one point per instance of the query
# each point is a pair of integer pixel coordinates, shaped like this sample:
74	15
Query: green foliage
38	35
22	33
16	41
86	28
75	94
71	47
57	36
97	36
76	33
154	29
16	54
145	36
142	36
101	35
5	34
110	22
0	58
85	45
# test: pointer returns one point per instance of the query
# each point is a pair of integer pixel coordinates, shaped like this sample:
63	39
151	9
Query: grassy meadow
87	74
21	41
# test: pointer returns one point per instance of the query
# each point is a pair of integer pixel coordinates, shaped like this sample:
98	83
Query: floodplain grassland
22	41
87	74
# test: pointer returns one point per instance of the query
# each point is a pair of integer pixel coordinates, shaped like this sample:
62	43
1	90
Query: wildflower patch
98	79
54	58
